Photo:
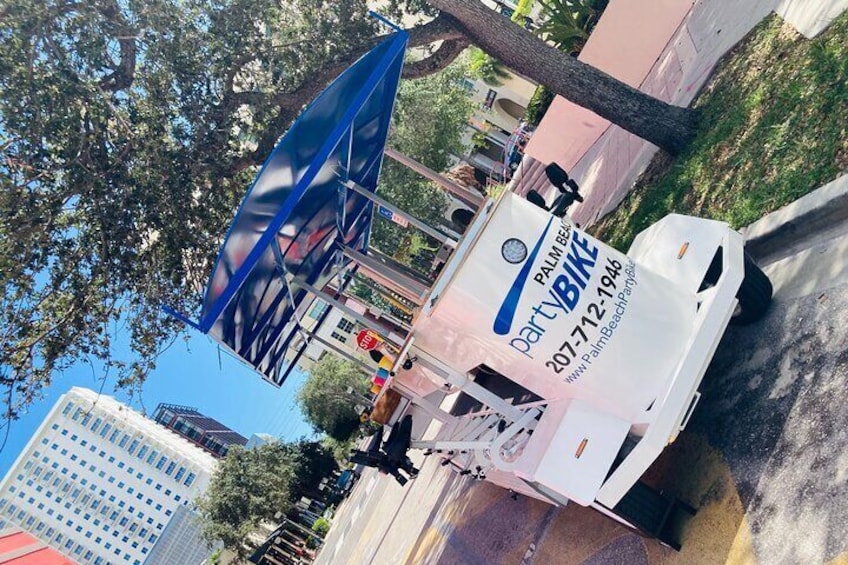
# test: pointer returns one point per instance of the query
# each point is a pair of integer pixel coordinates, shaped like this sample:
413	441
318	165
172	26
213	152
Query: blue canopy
297	216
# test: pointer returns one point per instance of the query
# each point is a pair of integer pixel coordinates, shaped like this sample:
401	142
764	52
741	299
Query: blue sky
187	374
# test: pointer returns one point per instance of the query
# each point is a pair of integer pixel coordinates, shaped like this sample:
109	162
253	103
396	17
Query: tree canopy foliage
251	486
129	132
325	400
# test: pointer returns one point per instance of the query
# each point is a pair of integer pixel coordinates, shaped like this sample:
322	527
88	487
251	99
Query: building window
67	408
339	337
190	479
170	468
318	310
345	325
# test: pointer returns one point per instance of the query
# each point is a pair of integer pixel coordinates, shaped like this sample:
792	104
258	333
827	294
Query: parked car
346	481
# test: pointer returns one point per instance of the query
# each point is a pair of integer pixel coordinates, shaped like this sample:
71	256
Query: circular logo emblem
514	251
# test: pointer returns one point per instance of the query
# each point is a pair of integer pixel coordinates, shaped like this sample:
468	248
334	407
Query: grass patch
772	128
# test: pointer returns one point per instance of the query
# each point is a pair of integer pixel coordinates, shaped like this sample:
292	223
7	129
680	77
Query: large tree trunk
668	127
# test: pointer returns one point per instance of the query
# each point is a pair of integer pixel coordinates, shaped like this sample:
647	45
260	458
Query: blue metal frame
240	275
384	20
247	307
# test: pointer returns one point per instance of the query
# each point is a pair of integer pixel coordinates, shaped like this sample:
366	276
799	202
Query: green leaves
568	23
250	486
129	133
430	118
325	400
489	69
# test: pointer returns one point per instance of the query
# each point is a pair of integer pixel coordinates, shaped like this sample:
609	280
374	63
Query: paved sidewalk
607	170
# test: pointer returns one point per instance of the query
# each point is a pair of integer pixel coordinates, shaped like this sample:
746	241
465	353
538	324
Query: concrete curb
783	230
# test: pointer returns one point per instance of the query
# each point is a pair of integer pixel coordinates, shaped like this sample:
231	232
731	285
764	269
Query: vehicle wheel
754	295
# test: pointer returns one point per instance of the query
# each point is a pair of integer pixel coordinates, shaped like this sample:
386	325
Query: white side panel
575	446
679	248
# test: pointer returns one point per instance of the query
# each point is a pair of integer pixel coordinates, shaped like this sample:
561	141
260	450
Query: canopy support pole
331	346
392	279
427	406
441	237
468	386
384	293
471	198
382	330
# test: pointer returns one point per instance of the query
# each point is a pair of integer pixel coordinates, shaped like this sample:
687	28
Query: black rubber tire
754	295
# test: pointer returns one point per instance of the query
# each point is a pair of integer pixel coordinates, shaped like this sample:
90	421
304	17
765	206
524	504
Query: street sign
389	215
367	340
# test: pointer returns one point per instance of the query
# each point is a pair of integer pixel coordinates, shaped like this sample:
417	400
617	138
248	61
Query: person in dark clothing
391	458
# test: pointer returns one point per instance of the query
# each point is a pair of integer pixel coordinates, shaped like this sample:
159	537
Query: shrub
321	526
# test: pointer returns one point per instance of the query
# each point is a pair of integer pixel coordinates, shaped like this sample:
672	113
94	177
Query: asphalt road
764	458
774	406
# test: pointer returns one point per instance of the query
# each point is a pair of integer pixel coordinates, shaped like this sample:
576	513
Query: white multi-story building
99	482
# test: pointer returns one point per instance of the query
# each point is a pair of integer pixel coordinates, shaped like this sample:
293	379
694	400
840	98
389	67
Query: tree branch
442	28
124	74
444	56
